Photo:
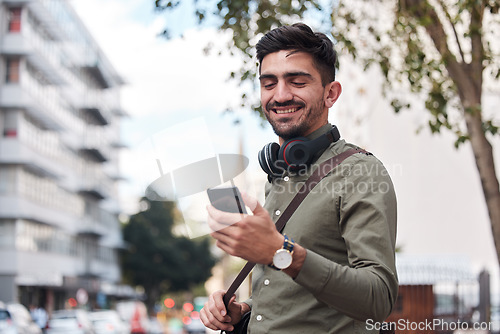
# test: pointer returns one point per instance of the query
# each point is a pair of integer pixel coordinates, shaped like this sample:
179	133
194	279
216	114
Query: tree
445	50
159	261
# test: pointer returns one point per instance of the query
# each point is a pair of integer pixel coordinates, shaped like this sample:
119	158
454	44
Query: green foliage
159	261
247	21
439	49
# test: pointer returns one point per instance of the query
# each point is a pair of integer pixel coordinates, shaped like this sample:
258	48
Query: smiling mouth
286	111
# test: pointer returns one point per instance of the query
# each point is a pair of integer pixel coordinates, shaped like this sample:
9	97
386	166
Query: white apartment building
59	144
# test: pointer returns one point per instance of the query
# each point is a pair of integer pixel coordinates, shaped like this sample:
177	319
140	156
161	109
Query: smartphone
227	199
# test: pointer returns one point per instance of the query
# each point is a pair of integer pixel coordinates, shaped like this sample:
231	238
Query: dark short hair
300	38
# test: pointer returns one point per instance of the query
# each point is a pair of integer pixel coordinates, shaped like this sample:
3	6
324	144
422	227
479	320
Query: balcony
14	152
94	108
96	71
16	96
95	186
94	152
39	53
92	228
94	115
95	64
93	190
46	19
20	206
98	222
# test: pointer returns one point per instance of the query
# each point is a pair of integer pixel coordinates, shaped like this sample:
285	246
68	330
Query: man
342	269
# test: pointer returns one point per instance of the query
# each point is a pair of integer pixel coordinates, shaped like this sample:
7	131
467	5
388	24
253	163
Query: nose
282	92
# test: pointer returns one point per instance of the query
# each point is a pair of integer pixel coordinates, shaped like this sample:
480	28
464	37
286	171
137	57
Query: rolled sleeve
366	288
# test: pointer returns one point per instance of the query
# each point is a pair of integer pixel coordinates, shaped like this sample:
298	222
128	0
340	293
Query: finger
217	226
252	203
226	248
224	242
219	303
223	238
211	322
204	319
223	217
217	308
231	305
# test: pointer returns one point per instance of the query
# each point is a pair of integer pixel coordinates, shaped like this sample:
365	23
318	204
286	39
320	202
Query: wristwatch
282	259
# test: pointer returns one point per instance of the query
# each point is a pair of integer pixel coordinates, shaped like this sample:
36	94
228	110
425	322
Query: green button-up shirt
347	223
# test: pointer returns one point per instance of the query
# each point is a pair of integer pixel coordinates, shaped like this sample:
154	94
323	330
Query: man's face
293	99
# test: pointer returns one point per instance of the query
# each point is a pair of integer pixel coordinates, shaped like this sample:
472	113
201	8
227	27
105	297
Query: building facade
59	146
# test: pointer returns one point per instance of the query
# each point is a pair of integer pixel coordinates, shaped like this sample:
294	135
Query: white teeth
287	111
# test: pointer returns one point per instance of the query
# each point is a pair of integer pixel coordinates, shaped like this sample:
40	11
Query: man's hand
214	316
253	238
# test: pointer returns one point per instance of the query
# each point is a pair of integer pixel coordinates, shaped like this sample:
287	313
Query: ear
332	93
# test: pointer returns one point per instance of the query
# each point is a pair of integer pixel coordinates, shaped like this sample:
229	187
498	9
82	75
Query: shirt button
286	178
259	318
277	212
266	282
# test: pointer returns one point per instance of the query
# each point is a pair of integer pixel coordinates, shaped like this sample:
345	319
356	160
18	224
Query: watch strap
288	245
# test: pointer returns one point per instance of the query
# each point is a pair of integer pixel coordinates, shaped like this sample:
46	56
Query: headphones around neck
294	154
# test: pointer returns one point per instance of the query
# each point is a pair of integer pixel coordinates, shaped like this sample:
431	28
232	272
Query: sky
171	85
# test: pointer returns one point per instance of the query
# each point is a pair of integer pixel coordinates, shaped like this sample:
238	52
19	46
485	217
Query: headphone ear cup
268	159
295	153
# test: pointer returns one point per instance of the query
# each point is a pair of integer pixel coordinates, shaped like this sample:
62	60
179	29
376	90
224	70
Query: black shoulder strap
319	173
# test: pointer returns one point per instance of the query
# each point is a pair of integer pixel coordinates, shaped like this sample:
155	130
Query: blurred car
135	314
70	322
155	326
6	322
22	319
194	326
108	322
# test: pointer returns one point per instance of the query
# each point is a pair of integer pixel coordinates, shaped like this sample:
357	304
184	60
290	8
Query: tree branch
477	48
424	12
447	14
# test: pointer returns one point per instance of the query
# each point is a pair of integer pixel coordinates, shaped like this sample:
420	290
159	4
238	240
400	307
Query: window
15	19
7	234
12	70
8	179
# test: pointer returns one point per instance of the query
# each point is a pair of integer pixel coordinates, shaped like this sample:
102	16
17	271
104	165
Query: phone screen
227	199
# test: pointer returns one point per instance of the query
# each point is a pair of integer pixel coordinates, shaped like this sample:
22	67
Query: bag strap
323	169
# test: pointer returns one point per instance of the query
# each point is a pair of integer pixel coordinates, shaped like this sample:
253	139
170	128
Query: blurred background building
60	138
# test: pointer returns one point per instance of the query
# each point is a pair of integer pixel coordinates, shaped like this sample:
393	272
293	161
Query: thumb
231	303
253	204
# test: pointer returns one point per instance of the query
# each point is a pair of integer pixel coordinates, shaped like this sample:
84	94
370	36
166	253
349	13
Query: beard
288	128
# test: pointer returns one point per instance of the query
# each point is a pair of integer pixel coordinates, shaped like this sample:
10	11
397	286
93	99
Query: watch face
282	259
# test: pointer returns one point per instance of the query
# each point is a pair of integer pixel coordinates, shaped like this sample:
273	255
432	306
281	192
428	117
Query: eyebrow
287	75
